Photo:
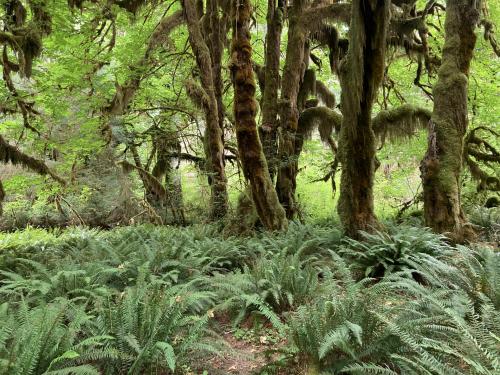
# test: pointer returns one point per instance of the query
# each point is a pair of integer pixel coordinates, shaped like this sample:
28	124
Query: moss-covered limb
11	154
214	147
24	37
324	94
26	108
442	165
269	105
254	164
151	181
333	12
307	87
479	152
295	67
489	35
400	122
326	120
360	77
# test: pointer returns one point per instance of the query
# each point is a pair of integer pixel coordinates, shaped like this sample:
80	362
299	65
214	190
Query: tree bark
215	34
213	133
255	169
272	83
442	164
360	76
289	114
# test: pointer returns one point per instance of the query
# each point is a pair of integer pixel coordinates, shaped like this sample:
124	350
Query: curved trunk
442	164
360	77
250	149
289	113
213	133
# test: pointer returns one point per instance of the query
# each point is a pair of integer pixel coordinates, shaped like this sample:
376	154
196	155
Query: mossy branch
153	184
325	94
324	118
333	12
11	154
478	150
401	122
197	94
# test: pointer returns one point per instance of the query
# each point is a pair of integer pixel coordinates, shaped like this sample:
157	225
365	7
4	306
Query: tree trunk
272	80
215	34
213	133
167	147
289	113
360	76
255	169
442	164
2	197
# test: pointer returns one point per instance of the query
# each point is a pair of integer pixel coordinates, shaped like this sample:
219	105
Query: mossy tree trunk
205	94
166	145
215	34
289	114
360	76
272	83
255	169
2	197
442	164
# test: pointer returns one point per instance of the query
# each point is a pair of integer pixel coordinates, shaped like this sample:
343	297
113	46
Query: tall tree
255	169
295	66
205	97
442	164
360	76
272	82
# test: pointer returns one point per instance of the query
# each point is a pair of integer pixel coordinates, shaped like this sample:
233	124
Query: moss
325	95
442	165
11	154
214	147
401	122
250	150
2	197
360	76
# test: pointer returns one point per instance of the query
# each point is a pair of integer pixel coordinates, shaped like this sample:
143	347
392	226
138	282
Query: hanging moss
401	122
324	119
307	87
324	94
31	46
478	150
11	154
41	16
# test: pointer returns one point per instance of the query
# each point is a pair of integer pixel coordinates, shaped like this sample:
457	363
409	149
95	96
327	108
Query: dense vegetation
270	187
150	299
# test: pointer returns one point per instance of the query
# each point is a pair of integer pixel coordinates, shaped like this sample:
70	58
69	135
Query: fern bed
165	300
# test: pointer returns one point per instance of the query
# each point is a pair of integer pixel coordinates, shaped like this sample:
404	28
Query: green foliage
367	328
399	249
148	299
